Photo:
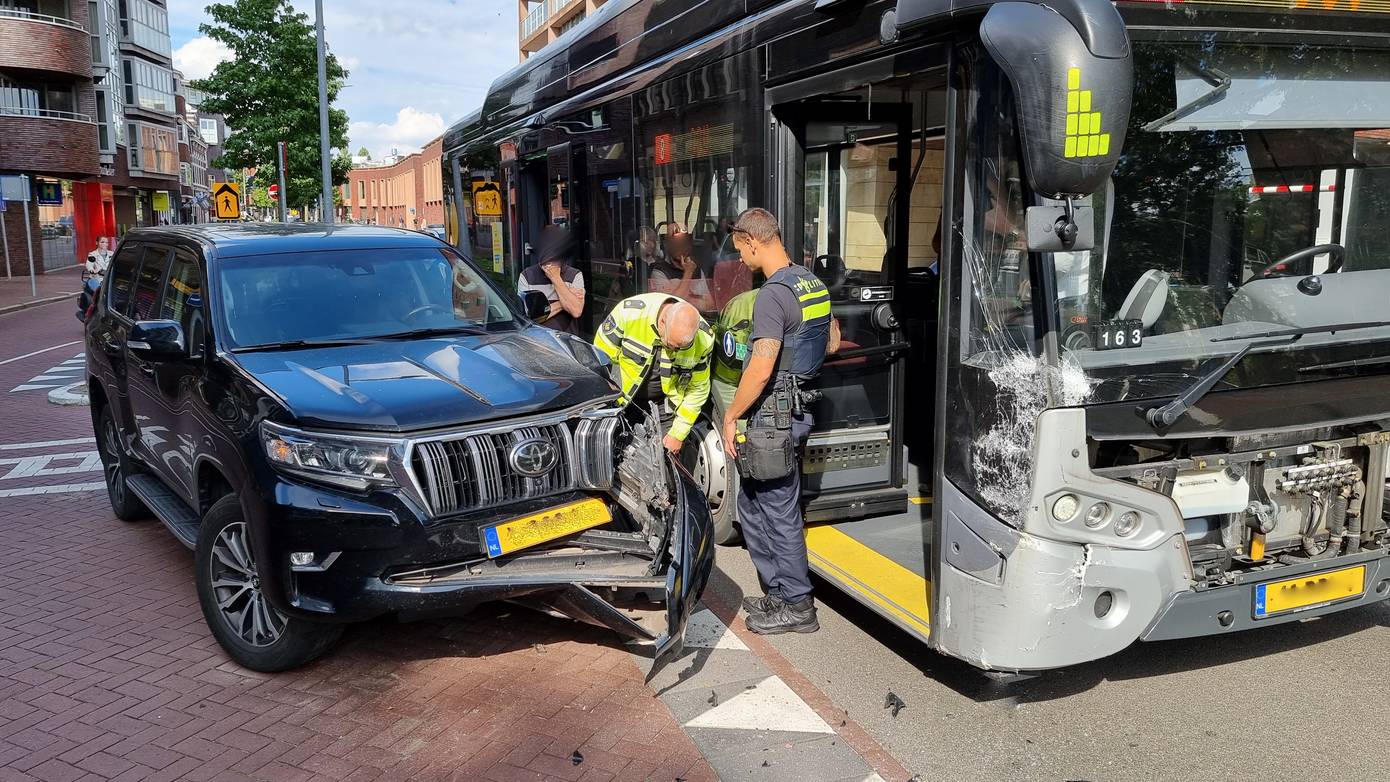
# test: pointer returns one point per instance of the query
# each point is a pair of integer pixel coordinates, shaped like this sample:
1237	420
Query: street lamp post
326	210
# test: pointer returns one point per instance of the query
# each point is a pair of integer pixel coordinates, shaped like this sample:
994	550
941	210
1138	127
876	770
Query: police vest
803	347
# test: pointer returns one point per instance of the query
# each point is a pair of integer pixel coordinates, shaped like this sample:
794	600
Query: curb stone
73	394
8	308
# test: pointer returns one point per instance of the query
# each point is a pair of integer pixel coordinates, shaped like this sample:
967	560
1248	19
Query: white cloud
197	58
411	130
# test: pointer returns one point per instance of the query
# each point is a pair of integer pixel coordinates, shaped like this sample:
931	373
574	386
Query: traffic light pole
281	158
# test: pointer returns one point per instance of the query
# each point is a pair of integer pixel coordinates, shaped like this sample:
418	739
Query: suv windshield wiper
1163	416
295	344
437	331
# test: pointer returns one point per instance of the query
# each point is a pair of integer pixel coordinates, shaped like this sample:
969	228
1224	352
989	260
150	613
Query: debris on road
893	702
577	757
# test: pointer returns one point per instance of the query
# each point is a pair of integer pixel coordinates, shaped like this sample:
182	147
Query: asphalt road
1301	701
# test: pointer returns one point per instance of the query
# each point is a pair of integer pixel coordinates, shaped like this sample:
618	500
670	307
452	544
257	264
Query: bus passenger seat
1146	299
731	278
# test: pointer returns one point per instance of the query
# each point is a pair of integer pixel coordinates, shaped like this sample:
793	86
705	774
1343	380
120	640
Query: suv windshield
334	295
1240	158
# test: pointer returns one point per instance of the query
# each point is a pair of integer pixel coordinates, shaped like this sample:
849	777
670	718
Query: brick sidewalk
107	670
15	291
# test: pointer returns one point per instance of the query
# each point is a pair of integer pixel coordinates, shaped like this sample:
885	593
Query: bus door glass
846	218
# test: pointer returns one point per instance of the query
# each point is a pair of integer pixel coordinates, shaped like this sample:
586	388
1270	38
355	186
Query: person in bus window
556	279
677	274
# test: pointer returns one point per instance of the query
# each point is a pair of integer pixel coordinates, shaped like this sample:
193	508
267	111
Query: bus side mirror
1072	92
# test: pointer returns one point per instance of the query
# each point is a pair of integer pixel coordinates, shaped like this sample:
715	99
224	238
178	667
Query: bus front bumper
1227	609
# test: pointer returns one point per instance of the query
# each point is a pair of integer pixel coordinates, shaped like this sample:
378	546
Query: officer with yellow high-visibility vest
658	330
791	333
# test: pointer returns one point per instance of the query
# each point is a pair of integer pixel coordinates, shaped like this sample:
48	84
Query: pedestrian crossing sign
226	198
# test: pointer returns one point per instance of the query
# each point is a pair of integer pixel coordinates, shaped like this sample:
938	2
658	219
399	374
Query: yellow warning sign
226	198
487	199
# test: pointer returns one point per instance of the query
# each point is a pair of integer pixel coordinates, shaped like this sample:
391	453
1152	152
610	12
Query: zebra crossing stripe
62	488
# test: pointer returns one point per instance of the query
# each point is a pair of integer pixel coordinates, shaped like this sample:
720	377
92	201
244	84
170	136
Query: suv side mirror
157	340
535	305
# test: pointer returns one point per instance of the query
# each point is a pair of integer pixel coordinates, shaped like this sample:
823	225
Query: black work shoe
761	605
797	617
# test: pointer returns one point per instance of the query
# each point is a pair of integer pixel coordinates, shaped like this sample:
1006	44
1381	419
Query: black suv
348	421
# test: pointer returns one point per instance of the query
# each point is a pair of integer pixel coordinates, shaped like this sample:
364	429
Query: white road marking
36	352
770	705
63	488
45	444
38	466
63	374
705	631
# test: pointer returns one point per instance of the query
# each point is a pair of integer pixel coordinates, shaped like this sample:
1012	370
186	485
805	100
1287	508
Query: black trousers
773	527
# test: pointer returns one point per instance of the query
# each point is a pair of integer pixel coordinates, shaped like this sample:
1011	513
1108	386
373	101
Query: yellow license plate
1313	589
538	528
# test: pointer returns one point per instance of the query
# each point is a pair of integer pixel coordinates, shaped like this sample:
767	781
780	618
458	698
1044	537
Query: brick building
47	108
406	192
542	21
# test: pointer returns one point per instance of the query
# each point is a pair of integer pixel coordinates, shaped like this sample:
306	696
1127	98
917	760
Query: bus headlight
1065	508
1097	514
1126	524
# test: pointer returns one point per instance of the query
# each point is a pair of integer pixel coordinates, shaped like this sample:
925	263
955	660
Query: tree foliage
268	93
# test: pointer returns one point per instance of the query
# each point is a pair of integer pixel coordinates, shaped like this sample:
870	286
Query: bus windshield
1248	168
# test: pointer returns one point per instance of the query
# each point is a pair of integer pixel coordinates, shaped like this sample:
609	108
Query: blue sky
414	66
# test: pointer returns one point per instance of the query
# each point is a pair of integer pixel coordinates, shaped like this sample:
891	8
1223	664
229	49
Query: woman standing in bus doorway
98	259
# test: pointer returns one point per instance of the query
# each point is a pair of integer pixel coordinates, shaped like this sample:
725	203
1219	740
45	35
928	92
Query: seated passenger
677	274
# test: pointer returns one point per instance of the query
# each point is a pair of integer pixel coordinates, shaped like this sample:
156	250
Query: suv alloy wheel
252	632
115	468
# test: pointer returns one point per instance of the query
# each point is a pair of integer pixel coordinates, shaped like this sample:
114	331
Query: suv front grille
473	471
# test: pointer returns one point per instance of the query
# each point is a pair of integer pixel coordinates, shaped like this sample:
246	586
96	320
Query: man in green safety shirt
661	332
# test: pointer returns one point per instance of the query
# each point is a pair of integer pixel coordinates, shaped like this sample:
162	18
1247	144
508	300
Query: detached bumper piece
1247	603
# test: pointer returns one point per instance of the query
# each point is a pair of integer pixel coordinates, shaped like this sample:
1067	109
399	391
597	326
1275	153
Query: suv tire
716	475
115	469
249	629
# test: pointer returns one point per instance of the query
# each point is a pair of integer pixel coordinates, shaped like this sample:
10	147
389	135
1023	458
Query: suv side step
167	507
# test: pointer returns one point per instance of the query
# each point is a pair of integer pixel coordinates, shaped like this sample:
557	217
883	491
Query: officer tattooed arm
750	387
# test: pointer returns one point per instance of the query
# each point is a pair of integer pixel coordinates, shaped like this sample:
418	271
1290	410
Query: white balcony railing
25	111
19	13
535	18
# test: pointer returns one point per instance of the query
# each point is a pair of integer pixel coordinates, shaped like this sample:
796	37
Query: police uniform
629	337
796	303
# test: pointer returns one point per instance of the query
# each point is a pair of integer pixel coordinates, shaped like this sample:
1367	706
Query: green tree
268	92
363	153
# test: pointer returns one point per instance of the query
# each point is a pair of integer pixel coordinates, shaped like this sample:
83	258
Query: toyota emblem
533	458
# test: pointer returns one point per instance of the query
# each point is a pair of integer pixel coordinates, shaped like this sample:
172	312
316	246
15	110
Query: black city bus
1112	280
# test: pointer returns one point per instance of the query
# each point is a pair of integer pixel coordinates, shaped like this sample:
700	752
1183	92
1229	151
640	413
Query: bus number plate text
1114	334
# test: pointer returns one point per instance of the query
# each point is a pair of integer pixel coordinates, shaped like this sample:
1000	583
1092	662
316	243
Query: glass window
148	282
183	300
999	318
699	160
123	268
614	198
355	294
1238	156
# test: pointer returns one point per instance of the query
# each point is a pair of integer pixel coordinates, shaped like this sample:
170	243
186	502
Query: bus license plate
1114	334
539	528
1314	589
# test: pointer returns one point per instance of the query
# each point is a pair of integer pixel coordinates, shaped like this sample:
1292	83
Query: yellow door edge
894	590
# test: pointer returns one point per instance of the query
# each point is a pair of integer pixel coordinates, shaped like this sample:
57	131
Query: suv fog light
1104	602
1097	514
1065	507
302	558
1127	523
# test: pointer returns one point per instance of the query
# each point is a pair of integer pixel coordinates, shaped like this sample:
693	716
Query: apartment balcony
61	143
542	22
39	42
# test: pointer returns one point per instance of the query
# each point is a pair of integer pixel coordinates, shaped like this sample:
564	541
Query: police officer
790	337
660	330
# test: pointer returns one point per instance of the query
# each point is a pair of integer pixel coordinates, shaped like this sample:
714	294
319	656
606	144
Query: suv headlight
340	460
